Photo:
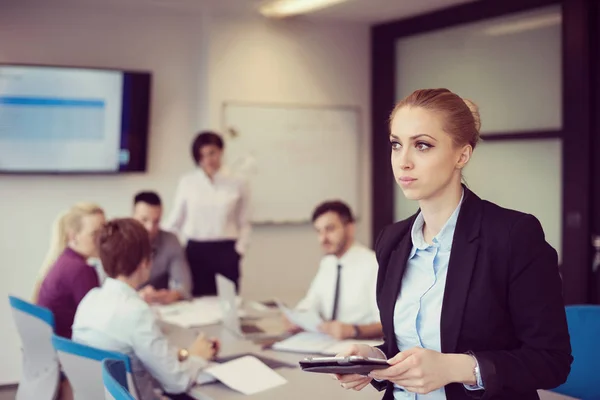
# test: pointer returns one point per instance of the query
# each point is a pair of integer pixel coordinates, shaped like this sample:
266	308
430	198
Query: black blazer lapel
463	256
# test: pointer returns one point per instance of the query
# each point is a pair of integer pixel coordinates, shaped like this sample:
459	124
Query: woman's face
425	159
210	158
84	241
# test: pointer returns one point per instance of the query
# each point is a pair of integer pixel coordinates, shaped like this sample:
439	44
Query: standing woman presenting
468	292
211	211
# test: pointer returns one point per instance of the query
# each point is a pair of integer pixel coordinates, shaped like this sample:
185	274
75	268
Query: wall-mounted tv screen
73	120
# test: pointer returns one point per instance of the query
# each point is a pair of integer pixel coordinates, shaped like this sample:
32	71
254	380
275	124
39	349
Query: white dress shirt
418	309
114	317
206	210
357	304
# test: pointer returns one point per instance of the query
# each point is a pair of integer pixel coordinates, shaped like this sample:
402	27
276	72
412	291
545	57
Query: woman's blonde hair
462	120
67	223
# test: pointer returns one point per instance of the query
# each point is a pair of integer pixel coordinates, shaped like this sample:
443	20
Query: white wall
289	62
198	62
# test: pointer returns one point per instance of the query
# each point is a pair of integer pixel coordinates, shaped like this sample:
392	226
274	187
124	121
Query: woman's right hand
355	381
203	347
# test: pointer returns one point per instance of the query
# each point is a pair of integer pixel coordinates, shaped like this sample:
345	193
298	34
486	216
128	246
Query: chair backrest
41	371
115	380
584	329
82	365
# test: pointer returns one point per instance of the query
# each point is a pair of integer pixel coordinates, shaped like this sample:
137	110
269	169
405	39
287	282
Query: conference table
300	385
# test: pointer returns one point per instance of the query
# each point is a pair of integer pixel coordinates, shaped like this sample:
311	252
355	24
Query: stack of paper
247	375
318	343
198	312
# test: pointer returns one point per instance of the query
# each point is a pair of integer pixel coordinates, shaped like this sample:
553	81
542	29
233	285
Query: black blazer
502	301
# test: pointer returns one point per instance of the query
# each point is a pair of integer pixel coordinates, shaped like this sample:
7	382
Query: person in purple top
66	276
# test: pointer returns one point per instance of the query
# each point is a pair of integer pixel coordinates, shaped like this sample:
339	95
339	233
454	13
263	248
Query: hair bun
475	111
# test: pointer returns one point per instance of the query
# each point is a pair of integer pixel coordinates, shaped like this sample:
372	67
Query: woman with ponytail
66	277
469	293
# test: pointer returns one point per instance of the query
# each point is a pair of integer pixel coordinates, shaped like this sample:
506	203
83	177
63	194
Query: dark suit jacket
502	301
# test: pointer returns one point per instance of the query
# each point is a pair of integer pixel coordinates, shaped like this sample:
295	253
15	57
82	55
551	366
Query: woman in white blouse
211	212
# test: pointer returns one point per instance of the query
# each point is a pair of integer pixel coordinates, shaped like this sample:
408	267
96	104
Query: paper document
318	343
247	375
191	316
307	320
198	312
204	377
305	342
343	345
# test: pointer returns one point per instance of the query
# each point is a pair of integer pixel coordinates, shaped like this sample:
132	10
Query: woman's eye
422	146
395	145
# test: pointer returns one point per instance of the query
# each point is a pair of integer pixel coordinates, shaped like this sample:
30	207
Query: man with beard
343	291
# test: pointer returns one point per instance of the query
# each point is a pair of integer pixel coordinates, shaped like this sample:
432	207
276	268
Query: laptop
231	320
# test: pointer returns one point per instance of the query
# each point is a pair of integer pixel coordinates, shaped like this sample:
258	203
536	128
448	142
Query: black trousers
206	259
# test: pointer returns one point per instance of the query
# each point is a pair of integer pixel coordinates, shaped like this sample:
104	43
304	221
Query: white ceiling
366	11
373	11
363	11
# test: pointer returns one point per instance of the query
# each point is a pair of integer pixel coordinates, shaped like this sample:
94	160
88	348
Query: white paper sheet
190	320
247	375
198	312
305	342
343	345
307	320
204	377
318	343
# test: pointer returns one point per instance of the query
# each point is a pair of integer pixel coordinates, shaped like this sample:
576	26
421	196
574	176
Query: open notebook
318	343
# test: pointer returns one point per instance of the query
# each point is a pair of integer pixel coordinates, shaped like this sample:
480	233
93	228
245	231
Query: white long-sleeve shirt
206	210
358	278
114	317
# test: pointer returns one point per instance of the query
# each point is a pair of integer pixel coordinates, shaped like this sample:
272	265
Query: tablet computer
342	365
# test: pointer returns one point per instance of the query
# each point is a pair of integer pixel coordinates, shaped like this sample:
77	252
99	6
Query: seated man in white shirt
114	317
170	278
343	291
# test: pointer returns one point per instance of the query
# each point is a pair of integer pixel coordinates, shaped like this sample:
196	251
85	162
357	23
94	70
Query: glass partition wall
511	68
532	68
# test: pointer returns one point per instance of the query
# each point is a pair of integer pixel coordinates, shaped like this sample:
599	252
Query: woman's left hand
420	370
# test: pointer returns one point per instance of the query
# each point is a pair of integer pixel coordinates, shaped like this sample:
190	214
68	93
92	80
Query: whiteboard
293	157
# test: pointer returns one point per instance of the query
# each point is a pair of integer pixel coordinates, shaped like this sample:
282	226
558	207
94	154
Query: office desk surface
300	385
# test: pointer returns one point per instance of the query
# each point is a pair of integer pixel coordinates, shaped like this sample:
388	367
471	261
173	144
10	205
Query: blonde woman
468	292
66	276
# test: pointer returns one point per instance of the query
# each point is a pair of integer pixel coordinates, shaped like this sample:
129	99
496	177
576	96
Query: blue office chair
41	371
584	329
115	380
83	367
